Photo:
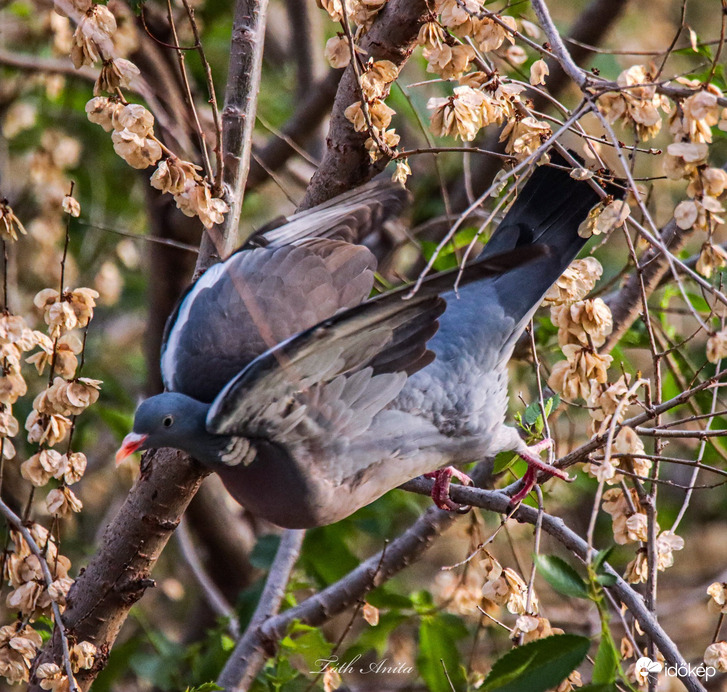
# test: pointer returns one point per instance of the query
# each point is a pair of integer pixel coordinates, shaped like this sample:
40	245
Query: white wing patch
169	355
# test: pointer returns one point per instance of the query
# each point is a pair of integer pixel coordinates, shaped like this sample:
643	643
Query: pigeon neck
197	441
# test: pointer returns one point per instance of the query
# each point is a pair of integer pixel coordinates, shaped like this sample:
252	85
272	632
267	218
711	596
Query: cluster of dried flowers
48	424
485	585
131	124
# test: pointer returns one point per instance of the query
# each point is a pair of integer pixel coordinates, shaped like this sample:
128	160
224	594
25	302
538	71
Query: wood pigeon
311	400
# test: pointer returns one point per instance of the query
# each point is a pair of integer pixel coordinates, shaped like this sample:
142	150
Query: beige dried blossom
334	8
101	110
401	172
363	12
708	181
11	225
717	346
703	214
576	282
573	377
698	113
46	429
134	118
172	175
711	258
586	322
533	627
74	466
604	217
109	283
197	200
71	206
82	656
41	467
95	26
510	590
9	425
25	597
458	16
338	52
682	159
379	113
431	35
666	543
61	501
48	674
718	597
637	102
716	656
630	444
524	136
67	348
571	683
459	593
67	398
12	386
20	116
489	35
377	77
58	590
388	138
460	115
516	55
538	72
115	74
626	528
138	152
18	647
449	62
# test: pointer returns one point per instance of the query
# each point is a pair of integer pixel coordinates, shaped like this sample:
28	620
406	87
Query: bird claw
440	489
535	464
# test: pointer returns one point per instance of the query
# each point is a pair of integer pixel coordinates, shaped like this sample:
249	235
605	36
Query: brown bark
119	573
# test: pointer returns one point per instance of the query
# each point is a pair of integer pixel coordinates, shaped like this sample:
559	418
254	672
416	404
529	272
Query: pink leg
535	464
440	489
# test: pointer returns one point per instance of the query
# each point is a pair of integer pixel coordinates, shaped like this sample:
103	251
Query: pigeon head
173	420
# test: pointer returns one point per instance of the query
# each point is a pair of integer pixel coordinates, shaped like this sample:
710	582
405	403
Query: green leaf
537	666
605	664
438	651
205	687
503	461
601	557
606	579
561	576
599	688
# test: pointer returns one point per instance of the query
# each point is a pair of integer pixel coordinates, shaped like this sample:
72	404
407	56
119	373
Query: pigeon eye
167	422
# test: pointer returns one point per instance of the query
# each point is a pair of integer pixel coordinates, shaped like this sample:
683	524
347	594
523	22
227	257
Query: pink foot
440	489
535	464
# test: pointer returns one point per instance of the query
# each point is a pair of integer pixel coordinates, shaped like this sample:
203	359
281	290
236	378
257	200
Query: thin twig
17	523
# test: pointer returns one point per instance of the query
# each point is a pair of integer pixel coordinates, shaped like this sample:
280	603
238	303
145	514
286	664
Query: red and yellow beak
130	444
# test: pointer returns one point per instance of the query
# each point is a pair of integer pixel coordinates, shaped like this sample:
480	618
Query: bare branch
238	122
249	656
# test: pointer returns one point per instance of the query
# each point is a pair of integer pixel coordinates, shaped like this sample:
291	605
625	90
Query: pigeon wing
323	387
254	300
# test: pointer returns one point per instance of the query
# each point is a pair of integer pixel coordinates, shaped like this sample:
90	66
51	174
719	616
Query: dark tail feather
548	212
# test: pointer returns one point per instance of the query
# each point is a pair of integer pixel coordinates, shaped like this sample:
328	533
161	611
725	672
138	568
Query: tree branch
346	163
238	122
248	657
496	501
